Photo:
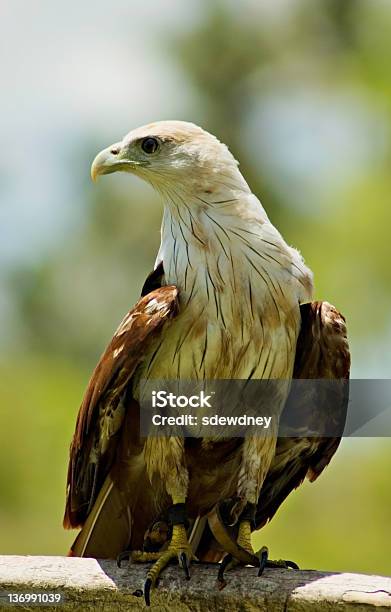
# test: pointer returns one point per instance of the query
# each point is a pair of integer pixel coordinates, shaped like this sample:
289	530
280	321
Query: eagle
228	299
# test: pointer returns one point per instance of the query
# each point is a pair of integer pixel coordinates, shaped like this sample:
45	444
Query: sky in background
69	70
81	68
66	71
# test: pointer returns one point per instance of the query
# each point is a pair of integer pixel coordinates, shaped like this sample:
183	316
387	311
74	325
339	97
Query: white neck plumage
213	250
218	243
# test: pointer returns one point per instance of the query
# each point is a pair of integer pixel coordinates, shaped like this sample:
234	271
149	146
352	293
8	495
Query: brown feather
322	353
102	411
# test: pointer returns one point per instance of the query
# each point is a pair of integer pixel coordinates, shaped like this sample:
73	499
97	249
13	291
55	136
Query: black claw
282	564
185	565
147	591
292	565
262	560
226	561
122	556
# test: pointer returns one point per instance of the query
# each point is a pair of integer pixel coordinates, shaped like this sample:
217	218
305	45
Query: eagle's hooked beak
113	159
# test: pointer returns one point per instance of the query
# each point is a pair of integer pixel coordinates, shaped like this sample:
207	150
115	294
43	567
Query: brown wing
103	408
322	353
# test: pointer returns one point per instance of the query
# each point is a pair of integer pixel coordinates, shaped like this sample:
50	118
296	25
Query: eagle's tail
107	529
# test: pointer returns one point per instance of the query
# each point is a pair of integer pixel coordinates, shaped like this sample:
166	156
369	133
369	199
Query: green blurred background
301	93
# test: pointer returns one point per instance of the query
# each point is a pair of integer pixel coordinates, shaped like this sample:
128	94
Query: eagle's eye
149	145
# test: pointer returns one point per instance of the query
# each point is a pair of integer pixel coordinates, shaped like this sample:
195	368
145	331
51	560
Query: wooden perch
87	584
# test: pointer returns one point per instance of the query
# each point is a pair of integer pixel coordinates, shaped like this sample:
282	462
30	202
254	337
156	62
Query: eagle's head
169	154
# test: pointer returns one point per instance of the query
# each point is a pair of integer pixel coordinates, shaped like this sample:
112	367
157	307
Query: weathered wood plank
87	584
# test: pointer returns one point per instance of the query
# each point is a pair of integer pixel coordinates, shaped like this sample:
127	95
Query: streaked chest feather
239	304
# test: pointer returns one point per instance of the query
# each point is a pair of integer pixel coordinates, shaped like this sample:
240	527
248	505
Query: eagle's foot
244	541
259	559
180	549
245	552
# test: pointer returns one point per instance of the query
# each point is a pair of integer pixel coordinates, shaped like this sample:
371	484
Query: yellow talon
244	541
179	548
